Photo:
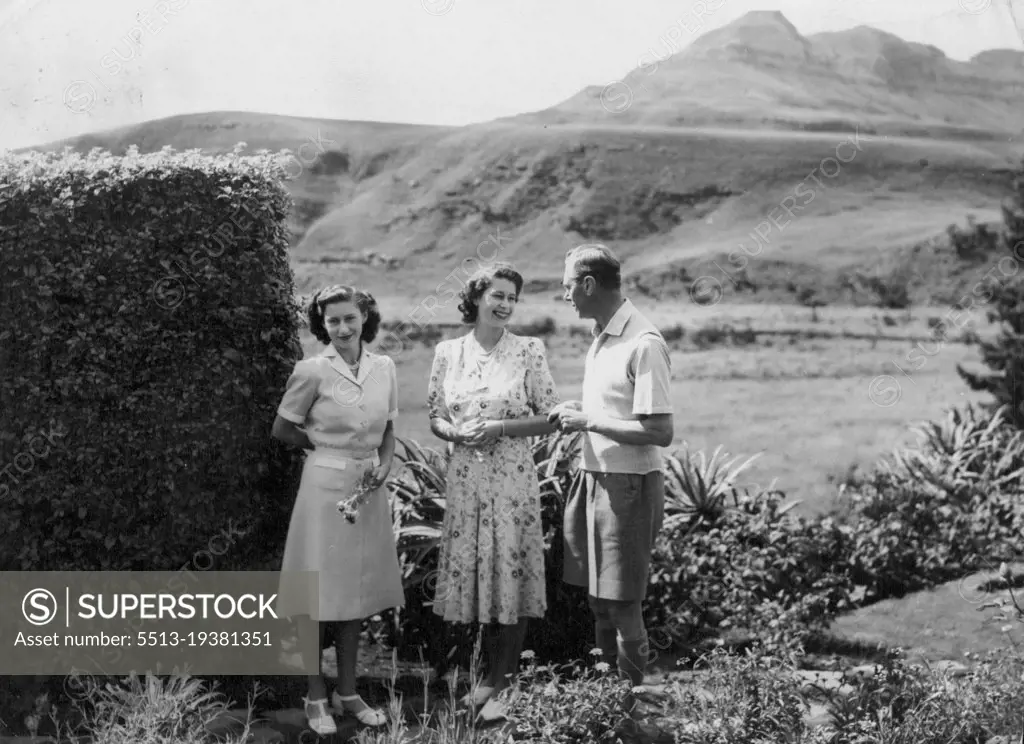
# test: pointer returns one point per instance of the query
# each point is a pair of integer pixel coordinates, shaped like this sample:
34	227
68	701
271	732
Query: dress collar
341	366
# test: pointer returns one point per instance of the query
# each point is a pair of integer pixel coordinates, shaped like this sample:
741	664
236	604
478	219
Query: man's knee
627	617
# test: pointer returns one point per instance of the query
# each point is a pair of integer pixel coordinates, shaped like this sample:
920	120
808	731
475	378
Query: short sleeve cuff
289	416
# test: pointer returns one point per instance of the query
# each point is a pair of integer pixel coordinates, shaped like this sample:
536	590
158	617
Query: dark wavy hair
480	282
342	293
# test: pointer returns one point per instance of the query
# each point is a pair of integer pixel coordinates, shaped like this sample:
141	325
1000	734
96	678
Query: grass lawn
942	623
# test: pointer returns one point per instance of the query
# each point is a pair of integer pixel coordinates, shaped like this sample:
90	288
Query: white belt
339	459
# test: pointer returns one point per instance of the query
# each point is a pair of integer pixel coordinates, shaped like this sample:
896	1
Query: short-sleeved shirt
338	409
627	375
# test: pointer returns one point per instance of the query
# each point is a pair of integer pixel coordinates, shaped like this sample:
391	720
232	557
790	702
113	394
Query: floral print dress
491	564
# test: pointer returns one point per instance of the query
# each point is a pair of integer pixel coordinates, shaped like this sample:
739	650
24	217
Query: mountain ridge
760	71
703	149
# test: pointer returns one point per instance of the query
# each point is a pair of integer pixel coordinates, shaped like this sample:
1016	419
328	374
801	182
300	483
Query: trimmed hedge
149	327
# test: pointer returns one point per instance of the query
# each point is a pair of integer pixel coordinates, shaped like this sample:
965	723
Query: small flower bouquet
349	507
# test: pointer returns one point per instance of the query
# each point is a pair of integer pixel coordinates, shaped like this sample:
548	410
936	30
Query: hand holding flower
349	507
378	476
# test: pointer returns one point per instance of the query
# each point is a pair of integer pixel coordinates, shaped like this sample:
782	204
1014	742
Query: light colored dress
344	417
491	563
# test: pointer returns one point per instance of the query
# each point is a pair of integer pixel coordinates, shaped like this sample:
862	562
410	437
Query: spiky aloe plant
696	488
963	454
418	491
153	710
555	458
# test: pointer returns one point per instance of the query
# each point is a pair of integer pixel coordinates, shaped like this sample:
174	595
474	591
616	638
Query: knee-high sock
632	659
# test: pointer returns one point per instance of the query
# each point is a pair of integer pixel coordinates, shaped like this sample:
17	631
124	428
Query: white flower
527	655
602	666
375	618
596	652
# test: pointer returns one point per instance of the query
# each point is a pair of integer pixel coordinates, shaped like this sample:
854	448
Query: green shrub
755	569
149	326
1003	289
974	242
904	704
904	537
746	699
889	291
754	697
940	510
585	705
673	333
541	327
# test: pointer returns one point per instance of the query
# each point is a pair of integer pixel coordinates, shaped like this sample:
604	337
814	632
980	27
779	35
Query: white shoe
367	716
320	721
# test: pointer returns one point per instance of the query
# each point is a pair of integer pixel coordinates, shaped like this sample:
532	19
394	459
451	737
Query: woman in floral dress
489	392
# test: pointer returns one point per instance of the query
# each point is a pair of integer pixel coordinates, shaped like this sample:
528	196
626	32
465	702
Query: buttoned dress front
344	417
491	563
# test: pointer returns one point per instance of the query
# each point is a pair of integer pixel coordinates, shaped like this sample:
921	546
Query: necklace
354	366
483	356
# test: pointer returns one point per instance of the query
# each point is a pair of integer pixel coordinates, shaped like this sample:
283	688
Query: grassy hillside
795	149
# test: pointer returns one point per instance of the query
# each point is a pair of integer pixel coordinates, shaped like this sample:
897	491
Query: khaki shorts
611	521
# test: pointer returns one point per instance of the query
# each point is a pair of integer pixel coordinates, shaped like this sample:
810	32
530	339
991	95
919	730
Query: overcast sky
424	61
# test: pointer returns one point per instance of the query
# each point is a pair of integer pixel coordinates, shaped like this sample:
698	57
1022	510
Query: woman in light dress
489	392
341	404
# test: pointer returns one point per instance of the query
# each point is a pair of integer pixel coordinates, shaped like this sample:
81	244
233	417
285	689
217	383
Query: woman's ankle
316	691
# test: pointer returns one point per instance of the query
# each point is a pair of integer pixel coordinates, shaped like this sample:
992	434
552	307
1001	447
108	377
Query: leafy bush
542	327
904	537
150	326
904	704
568	704
975	242
1004	355
755	697
715	334
939	510
746	698
888	289
755	569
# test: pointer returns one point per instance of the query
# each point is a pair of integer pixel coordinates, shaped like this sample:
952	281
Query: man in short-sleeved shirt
617	502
